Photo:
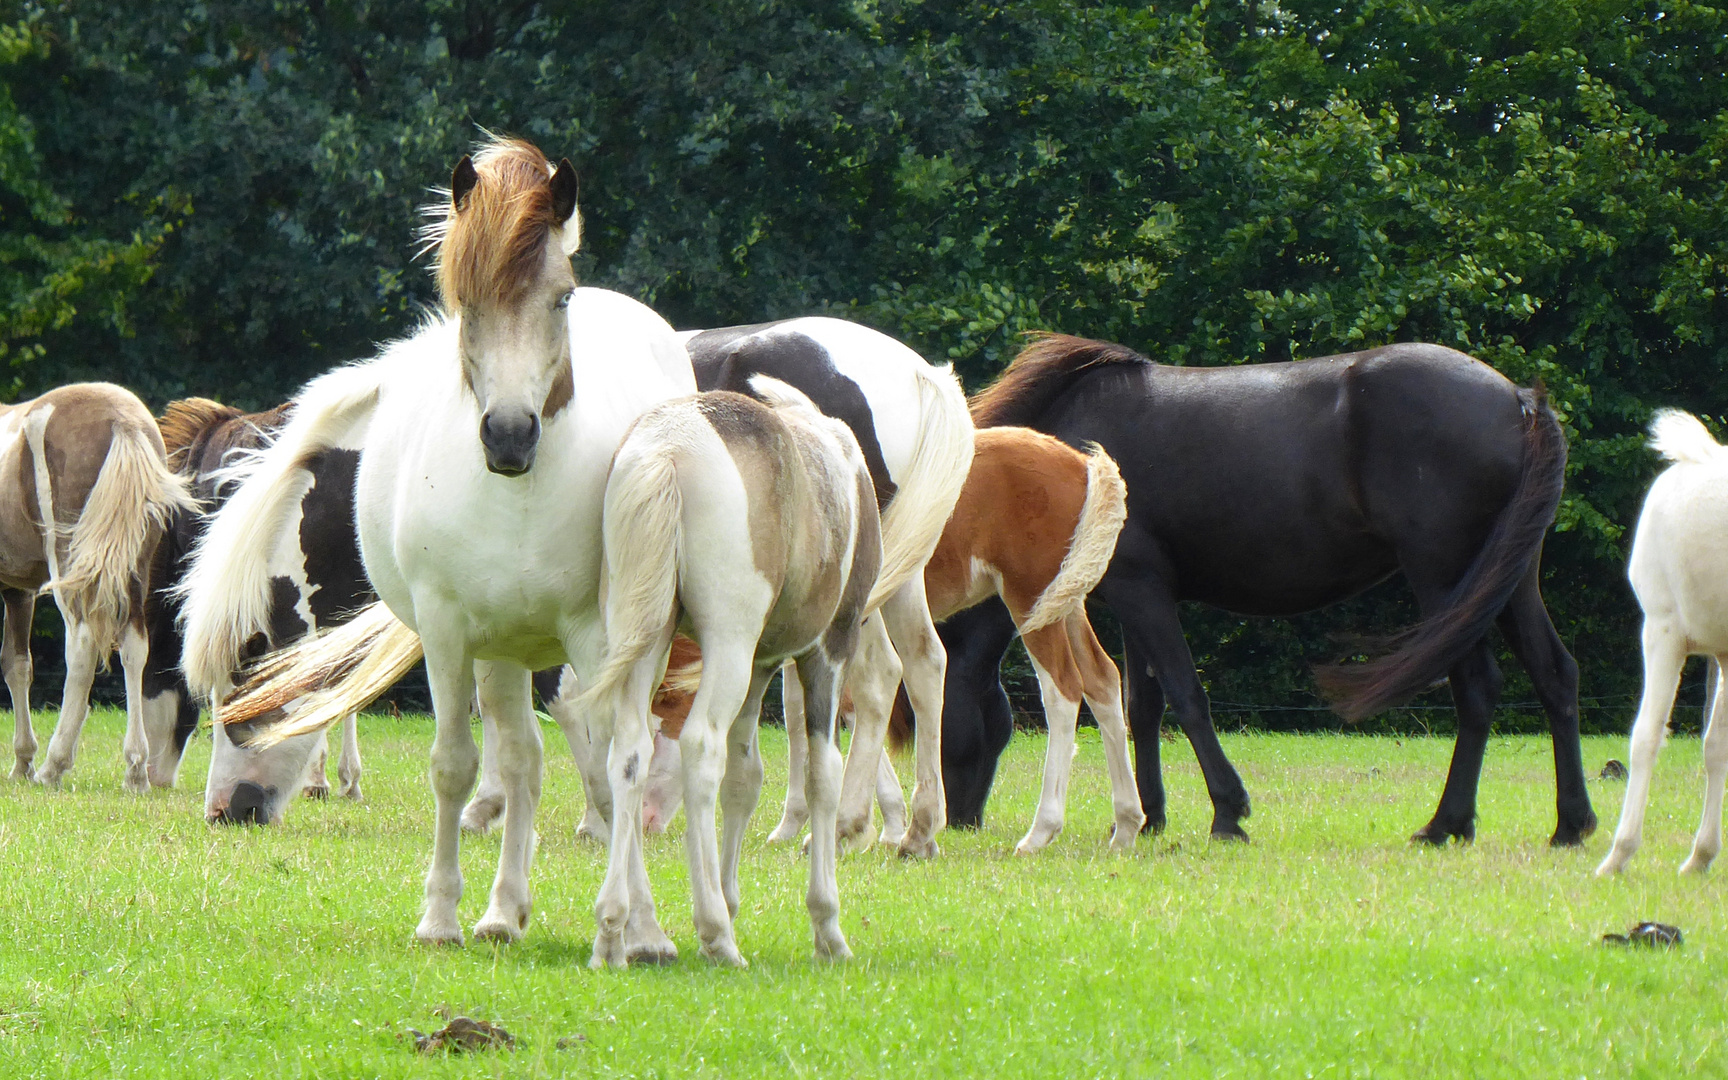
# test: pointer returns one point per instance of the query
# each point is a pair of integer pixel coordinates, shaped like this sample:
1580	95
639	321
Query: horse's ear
564	190
564	206
462	181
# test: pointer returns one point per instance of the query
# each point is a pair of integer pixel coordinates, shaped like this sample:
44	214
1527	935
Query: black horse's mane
1041	373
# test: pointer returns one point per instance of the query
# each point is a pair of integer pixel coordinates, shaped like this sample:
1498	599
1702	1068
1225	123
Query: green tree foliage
221	199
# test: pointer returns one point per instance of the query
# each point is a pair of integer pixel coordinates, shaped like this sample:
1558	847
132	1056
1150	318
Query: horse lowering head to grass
88	501
485	440
1273	489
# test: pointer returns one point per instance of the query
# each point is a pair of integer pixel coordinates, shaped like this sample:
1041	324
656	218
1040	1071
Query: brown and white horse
1036	525
90	498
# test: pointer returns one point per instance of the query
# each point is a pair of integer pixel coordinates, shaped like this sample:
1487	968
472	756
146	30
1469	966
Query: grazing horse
91	499
316	582
752	528
1272	489
485	441
1677	570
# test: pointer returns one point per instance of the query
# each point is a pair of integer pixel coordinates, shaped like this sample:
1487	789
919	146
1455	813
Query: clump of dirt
1615	769
462	1035
1648	934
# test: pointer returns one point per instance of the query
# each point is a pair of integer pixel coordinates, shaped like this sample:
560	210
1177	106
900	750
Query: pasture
140	942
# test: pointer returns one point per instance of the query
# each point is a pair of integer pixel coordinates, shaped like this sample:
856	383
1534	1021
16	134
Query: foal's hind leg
821	678
1101	684
1664	656
348	765
1554	673
1708	843
728	677
1059	687
15	660
906	615
741	786
874	678
82	655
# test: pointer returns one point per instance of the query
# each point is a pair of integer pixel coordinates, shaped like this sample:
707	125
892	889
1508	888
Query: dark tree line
220	199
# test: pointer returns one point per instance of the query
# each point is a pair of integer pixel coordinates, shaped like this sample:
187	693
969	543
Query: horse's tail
1092	545
930	486
1423	653
325	677
125	514
1682	437
643	537
226	591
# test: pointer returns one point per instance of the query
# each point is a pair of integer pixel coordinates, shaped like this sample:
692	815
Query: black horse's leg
1153	634
1146	722
1554	673
976	719
1475	681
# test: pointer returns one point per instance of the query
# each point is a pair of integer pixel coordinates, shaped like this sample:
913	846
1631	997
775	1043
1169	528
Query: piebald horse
754	530
90	499
1035	526
1272	489
316	582
1677	570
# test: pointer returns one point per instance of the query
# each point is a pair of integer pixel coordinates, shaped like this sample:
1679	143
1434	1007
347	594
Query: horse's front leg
506	696
450	674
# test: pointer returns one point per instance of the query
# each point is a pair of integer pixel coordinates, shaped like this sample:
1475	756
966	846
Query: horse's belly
1282	579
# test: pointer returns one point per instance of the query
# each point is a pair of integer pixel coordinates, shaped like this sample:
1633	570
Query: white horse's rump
754	529
1679	569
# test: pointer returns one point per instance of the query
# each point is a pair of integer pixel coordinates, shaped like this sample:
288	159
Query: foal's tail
643	534
126	513
1094	542
1423	653
913	523
227	588
1682	438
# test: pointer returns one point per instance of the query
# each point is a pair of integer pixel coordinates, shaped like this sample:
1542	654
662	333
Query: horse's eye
564	301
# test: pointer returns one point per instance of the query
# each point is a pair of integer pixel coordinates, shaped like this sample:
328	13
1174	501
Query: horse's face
516	360
505	269
250	786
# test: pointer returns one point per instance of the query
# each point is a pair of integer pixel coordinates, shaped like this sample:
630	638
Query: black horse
1273	489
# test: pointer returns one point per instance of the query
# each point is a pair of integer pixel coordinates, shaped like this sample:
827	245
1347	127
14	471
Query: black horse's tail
1424	653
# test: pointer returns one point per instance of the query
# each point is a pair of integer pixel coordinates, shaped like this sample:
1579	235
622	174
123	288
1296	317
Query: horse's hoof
836	951
351	792
1573	835
785	832
725	954
1229	832
911	848
439	936
655	954
1436	835
316	791
500	930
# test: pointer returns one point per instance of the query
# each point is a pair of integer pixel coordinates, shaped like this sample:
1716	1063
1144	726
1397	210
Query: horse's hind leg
487	805
1101	684
1143	700
1059	687
727	680
317	784
82	655
821	678
740	786
348	765
1554	673
1664	656
797	811
906	615
134	655
1708	843
892	802
873	679
1475	681
1154	631
15	659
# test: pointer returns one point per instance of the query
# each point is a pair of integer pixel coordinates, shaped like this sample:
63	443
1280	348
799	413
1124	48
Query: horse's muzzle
510	437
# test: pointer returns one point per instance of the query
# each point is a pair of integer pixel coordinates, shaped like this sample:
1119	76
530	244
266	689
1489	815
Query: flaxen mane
186	421
199	433
488	249
1042	372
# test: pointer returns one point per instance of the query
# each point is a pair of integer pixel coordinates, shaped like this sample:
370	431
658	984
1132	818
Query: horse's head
504	243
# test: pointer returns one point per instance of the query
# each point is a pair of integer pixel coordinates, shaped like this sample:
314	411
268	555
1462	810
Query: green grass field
140	942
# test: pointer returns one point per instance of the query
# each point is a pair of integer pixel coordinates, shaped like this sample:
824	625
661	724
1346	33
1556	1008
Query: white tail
643	536
1093	543
227	589
125	513
1682	437
931	485
322	678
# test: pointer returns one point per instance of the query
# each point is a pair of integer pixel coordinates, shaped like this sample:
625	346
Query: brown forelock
1042	371
183	421
241	431
492	246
